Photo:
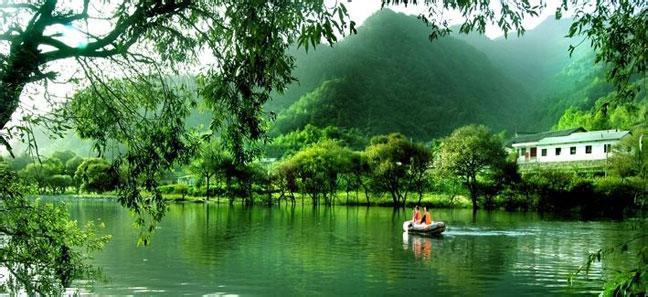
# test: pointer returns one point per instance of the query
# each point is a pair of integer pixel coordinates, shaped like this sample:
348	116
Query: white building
565	145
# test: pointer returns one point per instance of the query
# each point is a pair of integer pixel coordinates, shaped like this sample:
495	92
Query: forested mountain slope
391	78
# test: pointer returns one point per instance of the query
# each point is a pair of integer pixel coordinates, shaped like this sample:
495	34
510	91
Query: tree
40	242
470	152
360	171
144	44
447	184
97	175
72	164
208	162
253	178
59	183
71	167
398	166
286	179
289	143
20	162
41	172
629	157
319	167
34	173
64	156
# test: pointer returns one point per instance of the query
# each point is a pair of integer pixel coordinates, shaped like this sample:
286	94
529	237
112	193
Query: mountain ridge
402	68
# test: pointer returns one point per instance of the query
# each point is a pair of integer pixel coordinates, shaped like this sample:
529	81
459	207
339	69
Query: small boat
435	228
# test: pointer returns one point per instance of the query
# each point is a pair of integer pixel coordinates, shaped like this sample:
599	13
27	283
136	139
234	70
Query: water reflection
421	245
217	249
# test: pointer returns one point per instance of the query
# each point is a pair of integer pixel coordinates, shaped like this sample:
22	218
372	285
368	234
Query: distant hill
540	61
534	58
391	78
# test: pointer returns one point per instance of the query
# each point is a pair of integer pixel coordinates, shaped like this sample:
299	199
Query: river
209	249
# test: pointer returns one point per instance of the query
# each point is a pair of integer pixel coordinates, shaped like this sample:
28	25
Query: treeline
62	172
471	163
328	166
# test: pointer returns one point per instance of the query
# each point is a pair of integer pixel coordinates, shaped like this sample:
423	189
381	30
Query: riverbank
547	192
431	200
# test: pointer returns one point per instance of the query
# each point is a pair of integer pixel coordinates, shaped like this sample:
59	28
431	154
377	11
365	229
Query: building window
588	149
607	148
572	150
558	151
534	152
523	151
543	152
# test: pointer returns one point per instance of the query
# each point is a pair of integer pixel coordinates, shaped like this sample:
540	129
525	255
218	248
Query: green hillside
535	58
391	78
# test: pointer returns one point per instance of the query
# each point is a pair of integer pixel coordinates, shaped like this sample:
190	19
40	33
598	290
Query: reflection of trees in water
462	262
302	247
209	232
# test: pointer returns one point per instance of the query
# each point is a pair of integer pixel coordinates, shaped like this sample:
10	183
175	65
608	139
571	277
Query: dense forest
390	78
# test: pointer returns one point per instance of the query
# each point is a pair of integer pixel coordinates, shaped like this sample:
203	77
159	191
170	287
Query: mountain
391	78
540	60
536	57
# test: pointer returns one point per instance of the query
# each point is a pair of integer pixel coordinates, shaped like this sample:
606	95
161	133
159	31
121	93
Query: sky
360	10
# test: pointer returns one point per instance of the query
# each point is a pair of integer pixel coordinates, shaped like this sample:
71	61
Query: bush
516	199
563	192
615	195
180	189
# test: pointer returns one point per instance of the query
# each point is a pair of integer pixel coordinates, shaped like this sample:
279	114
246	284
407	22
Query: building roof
591	136
535	137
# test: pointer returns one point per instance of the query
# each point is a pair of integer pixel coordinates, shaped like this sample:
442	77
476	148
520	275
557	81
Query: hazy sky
360	10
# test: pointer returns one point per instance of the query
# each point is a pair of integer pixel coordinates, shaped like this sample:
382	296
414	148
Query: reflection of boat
421	245
435	228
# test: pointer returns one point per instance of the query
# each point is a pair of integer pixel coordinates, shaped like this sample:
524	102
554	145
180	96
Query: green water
210	249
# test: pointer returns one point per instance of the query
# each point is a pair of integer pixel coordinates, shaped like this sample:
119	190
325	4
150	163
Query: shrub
180	189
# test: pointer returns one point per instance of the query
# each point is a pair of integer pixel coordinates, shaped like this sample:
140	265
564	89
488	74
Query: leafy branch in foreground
632	281
40	247
145	119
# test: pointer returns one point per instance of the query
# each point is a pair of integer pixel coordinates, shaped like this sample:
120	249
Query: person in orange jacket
416	216
427	217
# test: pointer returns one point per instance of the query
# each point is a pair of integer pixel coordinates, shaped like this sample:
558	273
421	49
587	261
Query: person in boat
427	217
416	216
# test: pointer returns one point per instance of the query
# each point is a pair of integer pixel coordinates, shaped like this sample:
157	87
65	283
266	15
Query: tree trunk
395	198
207	190
472	188
404	198
347	195
21	64
366	191
356	195
473	197
269	192
420	195
228	188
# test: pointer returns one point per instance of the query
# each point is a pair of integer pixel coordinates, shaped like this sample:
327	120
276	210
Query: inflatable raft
435	228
